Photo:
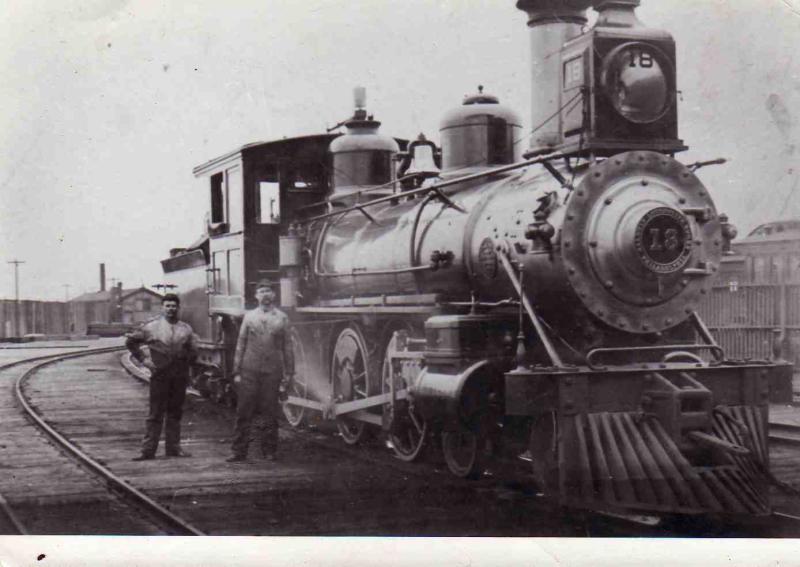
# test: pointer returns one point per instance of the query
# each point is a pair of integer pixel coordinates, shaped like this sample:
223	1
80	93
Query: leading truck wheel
351	380
298	385
465	452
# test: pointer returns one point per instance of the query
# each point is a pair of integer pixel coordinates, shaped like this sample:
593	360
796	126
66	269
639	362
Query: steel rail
6	508
12	517
785	516
174	522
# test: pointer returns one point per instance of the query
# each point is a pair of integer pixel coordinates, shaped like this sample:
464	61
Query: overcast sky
106	105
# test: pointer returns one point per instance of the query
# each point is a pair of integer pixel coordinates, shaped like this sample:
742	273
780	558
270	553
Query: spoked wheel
409	430
298	385
465	452
350	373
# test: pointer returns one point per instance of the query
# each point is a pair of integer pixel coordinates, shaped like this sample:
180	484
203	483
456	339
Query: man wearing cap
263	354
172	348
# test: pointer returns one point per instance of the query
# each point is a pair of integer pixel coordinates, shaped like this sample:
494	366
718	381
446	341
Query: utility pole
68	308
16	294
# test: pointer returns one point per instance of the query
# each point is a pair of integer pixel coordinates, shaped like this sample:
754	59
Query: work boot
236	459
179	453
144	457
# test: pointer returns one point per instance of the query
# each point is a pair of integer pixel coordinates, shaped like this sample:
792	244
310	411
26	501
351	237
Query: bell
422	155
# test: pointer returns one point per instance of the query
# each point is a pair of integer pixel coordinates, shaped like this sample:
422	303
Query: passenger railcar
540	306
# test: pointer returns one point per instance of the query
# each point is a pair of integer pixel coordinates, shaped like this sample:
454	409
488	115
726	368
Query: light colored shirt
264	343
168	343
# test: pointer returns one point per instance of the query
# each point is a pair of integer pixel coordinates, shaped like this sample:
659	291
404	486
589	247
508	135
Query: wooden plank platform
317	487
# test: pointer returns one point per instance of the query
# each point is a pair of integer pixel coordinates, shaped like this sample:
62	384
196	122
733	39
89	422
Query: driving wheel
350	373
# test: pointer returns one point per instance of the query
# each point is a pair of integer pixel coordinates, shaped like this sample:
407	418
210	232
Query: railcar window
217	199
235	272
220	272
270	203
234	188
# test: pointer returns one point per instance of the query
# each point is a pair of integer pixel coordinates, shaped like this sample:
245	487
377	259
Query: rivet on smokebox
645	182
608	284
608	201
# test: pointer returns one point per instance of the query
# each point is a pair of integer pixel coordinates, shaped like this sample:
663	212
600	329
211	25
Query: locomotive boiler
537	308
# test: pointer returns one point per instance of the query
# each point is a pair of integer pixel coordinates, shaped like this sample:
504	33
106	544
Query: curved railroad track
120	490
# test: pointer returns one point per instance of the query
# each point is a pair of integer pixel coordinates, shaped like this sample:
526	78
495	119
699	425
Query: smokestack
552	23
102	277
617	14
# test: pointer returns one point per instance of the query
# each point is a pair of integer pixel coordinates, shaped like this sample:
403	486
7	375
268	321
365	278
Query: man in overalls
172	348
263	354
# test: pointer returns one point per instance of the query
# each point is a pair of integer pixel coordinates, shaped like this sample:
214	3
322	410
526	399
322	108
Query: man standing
171	349
263	354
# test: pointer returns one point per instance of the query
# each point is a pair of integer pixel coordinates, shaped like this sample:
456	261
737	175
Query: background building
118	307
33	317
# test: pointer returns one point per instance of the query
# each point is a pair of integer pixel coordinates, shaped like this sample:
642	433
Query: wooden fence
746	319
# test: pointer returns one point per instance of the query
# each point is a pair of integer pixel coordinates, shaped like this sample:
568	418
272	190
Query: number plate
664	240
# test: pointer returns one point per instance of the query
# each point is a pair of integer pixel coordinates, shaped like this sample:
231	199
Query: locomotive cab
255	193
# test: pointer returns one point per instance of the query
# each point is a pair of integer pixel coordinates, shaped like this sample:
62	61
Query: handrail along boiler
541	306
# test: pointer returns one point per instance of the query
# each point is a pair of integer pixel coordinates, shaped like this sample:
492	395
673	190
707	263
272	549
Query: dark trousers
167	393
257	397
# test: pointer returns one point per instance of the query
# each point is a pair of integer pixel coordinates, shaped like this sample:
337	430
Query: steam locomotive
469	299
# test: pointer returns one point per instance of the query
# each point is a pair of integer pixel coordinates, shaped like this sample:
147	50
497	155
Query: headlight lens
637	80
